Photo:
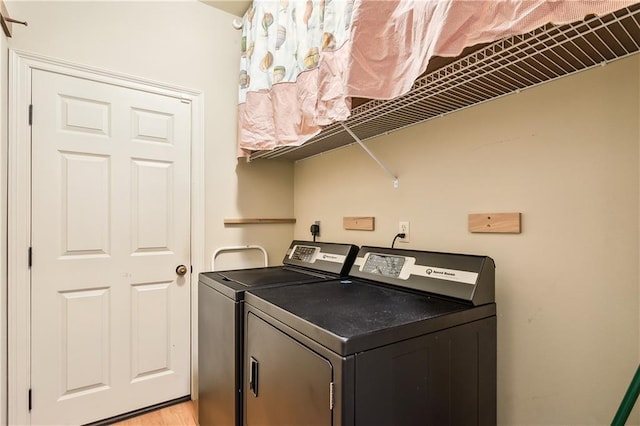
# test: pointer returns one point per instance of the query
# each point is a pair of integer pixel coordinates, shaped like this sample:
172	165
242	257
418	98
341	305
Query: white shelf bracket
372	155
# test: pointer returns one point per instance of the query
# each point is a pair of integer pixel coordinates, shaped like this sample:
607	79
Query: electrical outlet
403	228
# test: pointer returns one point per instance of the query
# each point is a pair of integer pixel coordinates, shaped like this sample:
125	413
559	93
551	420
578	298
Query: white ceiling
235	7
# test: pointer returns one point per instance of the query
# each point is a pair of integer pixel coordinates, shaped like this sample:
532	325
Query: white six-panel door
110	224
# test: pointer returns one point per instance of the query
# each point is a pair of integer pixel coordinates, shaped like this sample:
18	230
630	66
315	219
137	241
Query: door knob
181	270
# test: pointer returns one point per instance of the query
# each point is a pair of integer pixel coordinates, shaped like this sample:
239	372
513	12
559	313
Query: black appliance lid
234	283
351	315
271	275
305	261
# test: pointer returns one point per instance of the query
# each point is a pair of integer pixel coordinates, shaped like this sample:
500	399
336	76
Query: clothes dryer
409	338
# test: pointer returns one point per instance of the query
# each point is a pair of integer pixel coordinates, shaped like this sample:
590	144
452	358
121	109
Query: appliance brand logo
329	257
440	273
449	274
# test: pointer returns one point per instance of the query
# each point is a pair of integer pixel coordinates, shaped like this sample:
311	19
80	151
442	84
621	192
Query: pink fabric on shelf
392	41
388	45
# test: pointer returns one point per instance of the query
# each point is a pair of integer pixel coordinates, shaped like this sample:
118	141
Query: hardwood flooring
182	414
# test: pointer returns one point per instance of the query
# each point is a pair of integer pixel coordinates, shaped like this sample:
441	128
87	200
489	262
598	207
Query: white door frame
19	209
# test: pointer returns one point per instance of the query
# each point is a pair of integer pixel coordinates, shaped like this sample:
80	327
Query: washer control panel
333	258
305	254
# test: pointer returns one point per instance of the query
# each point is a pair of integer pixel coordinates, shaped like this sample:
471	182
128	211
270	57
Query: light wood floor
183	414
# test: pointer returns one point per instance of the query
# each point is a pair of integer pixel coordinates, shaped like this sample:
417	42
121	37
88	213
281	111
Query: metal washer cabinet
220	320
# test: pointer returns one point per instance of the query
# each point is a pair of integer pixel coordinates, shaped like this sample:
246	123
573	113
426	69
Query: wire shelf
501	68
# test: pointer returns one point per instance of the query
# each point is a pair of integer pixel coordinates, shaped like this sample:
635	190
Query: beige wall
189	44
564	154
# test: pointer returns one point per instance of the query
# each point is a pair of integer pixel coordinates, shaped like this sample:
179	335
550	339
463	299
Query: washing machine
221	321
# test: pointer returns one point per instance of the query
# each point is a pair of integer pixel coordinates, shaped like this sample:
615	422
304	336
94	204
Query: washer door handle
253	377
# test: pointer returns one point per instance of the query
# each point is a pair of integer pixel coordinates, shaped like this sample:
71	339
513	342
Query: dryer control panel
384	264
460	276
